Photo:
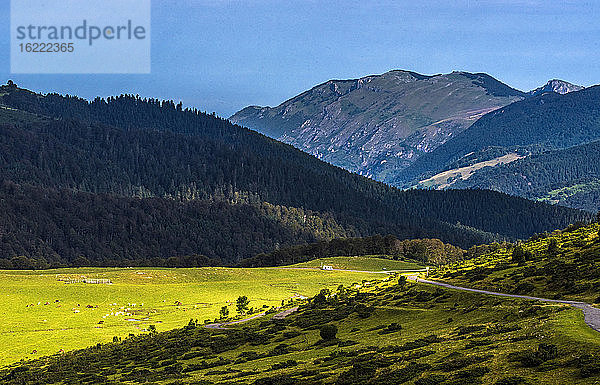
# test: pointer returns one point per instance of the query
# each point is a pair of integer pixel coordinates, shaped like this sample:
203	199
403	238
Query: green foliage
241	304
520	255
328	332
254	353
564	264
224	312
402	281
531	358
423	250
144	171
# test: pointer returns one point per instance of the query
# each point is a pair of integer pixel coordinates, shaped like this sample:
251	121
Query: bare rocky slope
378	125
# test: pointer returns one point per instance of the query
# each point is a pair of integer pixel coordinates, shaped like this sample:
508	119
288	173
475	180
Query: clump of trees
432	251
224	312
520	255
241	304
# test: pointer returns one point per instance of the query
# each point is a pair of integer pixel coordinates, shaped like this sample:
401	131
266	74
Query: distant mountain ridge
550	142
378	125
555	85
570	177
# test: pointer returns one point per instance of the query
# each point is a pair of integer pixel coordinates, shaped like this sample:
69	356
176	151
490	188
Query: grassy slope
446	179
478	339
366	263
572	272
202	292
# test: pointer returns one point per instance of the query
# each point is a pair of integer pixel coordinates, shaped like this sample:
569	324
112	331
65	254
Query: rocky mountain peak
556	85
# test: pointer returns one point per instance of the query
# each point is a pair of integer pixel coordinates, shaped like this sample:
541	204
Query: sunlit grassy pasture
571	271
43	314
365	263
441	336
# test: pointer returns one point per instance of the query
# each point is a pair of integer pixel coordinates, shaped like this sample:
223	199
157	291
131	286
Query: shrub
531	358
524	288
474	372
433	379
514	380
363	311
360	373
547	351
284	364
402	281
279	350
399	376
291	334
328	332
391	328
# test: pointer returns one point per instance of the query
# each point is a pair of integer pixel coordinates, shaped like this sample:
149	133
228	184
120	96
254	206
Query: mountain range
378	125
457	130
132	181
541	148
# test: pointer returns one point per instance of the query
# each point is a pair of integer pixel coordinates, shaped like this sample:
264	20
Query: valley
43	313
383	330
300	193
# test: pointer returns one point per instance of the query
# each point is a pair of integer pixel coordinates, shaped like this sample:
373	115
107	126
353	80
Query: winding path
221	325
354	271
591	314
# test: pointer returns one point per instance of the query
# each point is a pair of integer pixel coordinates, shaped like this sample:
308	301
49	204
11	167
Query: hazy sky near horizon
220	55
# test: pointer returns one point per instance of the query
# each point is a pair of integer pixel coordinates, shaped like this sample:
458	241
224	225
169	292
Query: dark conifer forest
131	181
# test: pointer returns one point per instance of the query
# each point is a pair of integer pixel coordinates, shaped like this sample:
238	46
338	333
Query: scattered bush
514	380
284	364
433	379
531	358
328	332
391	328
399	376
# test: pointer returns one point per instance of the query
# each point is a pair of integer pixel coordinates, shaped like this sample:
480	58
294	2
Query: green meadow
42	313
388	332
365	263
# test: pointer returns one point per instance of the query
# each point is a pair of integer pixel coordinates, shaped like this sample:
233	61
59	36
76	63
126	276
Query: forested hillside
569	177
42	228
546	122
127	147
432	251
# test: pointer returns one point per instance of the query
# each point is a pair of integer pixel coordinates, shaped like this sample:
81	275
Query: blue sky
221	55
